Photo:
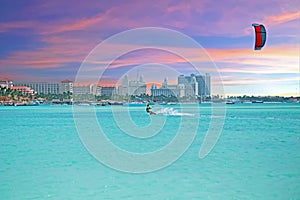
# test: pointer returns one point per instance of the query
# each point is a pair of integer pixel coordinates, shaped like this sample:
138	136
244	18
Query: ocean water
256	157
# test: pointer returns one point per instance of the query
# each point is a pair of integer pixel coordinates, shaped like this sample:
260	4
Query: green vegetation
8	92
50	97
260	98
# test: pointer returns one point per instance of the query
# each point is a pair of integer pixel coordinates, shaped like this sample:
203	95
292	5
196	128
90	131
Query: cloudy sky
48	40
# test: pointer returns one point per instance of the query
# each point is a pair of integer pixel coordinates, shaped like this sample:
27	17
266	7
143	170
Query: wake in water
172	112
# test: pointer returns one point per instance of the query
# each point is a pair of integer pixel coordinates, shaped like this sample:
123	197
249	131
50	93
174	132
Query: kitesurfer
148	109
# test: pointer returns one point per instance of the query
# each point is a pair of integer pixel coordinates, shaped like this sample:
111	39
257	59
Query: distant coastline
15	100
65	93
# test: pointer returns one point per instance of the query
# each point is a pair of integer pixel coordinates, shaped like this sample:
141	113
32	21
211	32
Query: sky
45	40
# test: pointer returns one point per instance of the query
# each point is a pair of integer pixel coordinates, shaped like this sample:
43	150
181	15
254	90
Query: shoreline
134	104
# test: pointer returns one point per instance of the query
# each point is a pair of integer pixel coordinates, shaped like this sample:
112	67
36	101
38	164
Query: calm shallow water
256	157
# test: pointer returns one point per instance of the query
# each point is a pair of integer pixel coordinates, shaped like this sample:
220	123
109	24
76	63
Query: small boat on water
229	102
31	103
162	103
134	104
137	103
114	103
172	103
20	104
83	104
257	101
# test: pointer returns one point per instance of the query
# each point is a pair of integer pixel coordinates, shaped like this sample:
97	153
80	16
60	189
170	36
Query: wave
172	112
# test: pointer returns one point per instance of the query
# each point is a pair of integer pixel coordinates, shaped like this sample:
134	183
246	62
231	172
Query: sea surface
257	155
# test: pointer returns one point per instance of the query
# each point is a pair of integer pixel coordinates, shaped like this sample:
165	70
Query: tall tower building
125	80
201	85
207	85
181	79
141	79
123	89
181	90
194	85
165	84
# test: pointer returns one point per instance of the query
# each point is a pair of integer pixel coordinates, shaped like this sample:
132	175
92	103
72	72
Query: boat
137	103
34	103
172	103
229	102
257	101
20	104
114	103
102	104
162	103
134	104
83	104
205	102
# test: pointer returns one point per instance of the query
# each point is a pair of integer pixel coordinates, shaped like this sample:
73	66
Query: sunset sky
48	40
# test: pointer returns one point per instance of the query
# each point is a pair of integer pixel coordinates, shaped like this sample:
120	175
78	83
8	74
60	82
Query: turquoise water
256	157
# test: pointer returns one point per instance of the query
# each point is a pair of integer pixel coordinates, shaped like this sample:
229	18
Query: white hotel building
48	88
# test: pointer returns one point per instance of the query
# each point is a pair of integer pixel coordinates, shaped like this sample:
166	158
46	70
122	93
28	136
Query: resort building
82	90
41	87
66	86
108	91
23	89
135	87
165	90
162	92
6	83
48	88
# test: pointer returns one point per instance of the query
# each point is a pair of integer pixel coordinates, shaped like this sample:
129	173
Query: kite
260	36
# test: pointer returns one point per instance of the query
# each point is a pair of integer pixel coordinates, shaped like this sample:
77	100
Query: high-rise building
91	89
66	86
82	89
201	85
195	85
165	84
181	90
207	85
108	91
41	87
182	79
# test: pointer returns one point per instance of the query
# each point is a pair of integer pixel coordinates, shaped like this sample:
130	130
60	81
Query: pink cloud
79	25
8	26
274	59
282	18
201	18
57	51
20	76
